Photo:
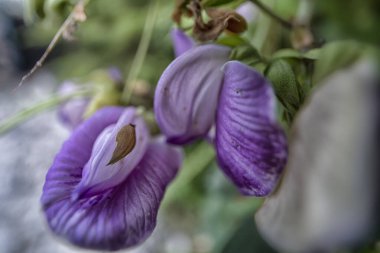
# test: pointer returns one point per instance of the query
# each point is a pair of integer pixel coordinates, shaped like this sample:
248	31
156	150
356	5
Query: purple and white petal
181	42
97	176
187	93
119	217
76	151
329	197
251	147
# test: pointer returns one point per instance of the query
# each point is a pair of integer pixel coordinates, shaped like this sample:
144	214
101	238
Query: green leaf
232	40
284	81
292	53
287	53
313	54
336	55
247	54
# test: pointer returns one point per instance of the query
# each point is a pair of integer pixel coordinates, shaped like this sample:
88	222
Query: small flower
97	203
201	88
104	85
71	113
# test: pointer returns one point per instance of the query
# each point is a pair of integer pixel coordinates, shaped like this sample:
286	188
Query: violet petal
251	147
187	93
119	217
181	42
97	175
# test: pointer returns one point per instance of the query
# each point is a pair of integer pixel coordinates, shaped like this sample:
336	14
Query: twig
75	15
270	13
141	51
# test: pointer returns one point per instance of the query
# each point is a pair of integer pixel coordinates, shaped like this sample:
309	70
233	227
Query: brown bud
126	141
231	20
221	20
236	23
301	38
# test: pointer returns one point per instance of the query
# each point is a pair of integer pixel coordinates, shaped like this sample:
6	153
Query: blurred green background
201	202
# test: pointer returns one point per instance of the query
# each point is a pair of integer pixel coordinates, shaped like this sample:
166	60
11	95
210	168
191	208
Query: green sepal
231	40
247	54
284	82
292	53
334	56
106	92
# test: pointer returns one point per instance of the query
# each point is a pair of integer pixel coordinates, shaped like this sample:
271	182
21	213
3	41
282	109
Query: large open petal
120	216
329	196
251	147
187	93
181	42
97	174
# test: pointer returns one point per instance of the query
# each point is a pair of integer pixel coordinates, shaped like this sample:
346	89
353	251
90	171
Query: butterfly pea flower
106	183
329	197
201	88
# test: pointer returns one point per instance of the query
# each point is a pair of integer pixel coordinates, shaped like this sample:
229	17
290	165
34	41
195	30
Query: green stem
195	162
23	115
273	15
141	51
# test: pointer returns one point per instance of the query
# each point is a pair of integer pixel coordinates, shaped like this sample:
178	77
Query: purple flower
71	113
105	86
100	206
201	88
329	196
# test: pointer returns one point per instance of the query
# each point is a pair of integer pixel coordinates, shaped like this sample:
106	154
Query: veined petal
119	217
251	147
97	174
76	151
187	93
181	42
